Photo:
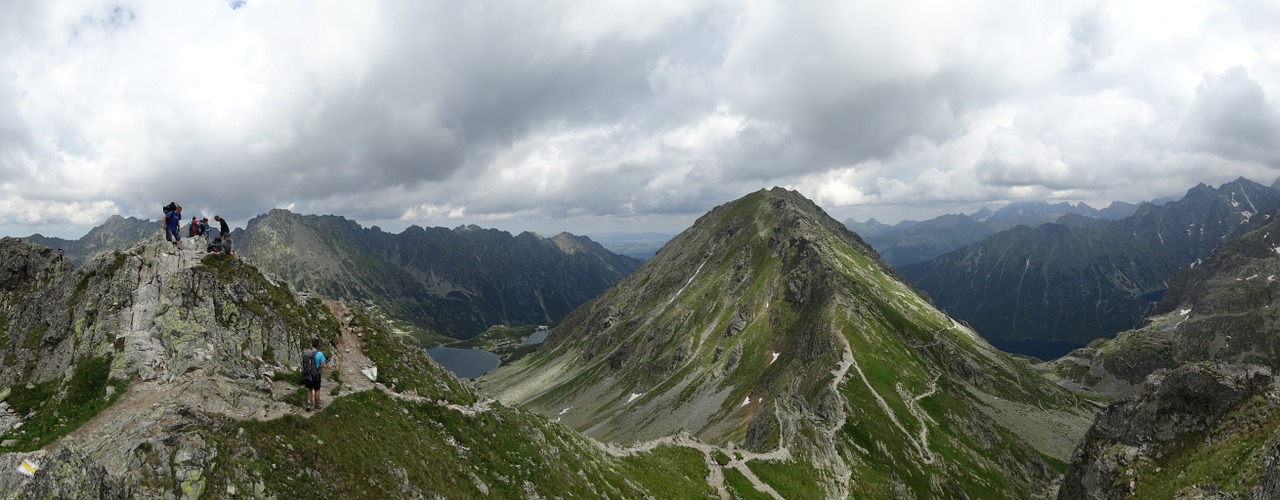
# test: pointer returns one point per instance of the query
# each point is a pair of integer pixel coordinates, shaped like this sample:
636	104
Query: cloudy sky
615	116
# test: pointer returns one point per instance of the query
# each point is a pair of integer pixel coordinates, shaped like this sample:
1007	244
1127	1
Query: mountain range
116	233
910	242
1083	278
454	282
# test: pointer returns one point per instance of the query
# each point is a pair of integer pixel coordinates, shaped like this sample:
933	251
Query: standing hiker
172	218
223	229
312	362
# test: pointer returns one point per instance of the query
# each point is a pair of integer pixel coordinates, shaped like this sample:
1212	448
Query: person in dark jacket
171	221
223	229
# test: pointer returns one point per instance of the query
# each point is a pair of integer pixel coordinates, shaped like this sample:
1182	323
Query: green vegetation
740	487
368	445
60	407
404	368
791	479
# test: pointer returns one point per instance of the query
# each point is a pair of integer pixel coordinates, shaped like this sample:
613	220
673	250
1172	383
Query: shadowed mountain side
454	282
768	326
1224	308
1085	280
1054	282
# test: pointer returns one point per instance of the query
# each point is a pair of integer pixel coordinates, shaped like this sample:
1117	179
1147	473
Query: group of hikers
173	219
312	359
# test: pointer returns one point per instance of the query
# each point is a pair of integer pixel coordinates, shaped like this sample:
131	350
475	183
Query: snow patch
775	357
1271	278
1184	312
745	402
1251	277
633	396
565	410
371	372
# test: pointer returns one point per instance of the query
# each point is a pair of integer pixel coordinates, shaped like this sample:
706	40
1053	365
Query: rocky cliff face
1206	430
769	328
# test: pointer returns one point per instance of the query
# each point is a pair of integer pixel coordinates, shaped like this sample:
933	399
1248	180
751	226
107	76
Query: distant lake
1044	350
536	338
465	363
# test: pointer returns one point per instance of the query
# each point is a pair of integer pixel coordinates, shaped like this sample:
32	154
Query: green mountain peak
768	327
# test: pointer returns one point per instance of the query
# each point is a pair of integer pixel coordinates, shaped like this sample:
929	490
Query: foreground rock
1200	431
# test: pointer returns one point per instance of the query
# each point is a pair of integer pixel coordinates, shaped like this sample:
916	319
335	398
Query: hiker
215	246
172	218
223	229
226	245
204	229
312	362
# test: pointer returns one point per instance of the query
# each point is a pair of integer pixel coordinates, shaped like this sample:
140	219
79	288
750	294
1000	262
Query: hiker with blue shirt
173	218
312	361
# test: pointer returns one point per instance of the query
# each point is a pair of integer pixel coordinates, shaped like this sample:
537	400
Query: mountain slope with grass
152	372
770	330
451	282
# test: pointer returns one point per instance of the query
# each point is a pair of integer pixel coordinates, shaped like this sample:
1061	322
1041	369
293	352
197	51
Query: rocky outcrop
125	356
1177	414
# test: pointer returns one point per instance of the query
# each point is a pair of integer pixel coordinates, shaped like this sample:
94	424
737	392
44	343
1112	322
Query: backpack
170	207
309	369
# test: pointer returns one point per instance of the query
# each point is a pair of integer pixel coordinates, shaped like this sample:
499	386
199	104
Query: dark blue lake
1042	349
465	363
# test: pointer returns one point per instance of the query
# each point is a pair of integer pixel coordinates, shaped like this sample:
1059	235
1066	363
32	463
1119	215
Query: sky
621	116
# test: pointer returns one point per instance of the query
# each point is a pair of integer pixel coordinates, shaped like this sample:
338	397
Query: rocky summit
771	332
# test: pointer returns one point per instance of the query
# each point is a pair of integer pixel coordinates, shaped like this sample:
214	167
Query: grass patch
791	479
59	407
740	487
368	445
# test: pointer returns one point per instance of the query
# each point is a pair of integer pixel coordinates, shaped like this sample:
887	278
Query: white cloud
593	113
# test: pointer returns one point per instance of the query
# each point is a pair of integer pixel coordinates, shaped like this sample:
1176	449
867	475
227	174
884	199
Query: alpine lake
478	355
